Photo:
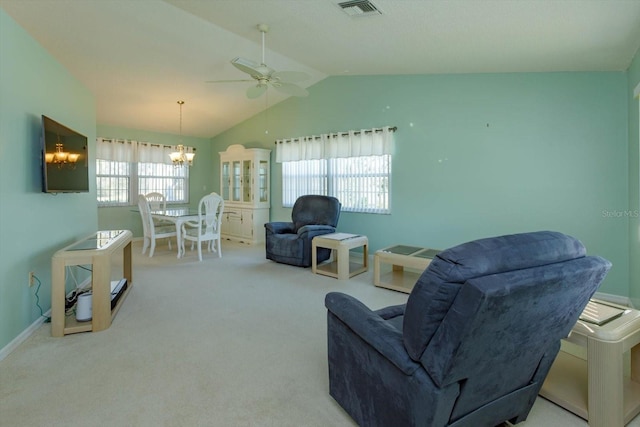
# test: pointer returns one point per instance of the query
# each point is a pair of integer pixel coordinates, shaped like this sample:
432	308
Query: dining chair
157	202
207	227
151	230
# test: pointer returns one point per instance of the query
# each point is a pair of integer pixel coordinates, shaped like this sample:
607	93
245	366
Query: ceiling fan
282	81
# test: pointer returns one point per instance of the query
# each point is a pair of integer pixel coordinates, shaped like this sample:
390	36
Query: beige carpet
236	341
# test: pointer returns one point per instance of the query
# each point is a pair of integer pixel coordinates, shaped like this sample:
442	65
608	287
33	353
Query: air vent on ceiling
358	8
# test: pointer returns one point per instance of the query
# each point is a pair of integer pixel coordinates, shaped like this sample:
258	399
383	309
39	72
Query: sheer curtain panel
353	166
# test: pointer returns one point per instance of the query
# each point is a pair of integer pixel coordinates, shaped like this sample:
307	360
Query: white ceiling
140	57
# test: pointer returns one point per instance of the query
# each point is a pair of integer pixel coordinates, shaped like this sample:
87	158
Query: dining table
177	215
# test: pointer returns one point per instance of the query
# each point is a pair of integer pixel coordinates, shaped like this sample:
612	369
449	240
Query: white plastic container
84	307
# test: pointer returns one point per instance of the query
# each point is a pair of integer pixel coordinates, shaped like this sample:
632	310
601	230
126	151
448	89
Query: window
354	167
113	182
120	178
361	184
170	180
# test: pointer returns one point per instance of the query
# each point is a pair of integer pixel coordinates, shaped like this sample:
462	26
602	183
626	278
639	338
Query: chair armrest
193	224
279	227
315	230
391	311
372	328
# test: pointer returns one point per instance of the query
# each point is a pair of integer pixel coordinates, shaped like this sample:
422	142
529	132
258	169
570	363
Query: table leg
606	400
635	363
376	269
343	263
126	264
58	278
179	238
365	255
314	257
101	289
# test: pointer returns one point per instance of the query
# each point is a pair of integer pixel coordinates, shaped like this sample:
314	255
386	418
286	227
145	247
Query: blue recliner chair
290	242
475	340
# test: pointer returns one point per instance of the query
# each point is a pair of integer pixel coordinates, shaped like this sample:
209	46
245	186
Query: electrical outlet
32	281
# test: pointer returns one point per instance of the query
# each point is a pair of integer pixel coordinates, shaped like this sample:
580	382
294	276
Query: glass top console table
407	264
95	250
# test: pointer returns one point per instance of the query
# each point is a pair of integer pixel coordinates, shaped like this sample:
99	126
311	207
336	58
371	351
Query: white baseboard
7	349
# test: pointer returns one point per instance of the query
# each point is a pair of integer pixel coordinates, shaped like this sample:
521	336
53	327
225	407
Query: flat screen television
65	161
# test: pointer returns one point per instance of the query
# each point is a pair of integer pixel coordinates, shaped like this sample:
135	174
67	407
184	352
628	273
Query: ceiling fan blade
228	81
255	91
290	89
291	76
245	65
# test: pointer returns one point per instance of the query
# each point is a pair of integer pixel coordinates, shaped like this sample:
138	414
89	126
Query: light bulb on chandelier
182	157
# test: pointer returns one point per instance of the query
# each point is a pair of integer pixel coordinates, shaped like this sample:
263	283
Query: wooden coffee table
407	264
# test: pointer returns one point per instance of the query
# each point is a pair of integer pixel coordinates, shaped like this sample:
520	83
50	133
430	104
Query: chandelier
62	158
181	157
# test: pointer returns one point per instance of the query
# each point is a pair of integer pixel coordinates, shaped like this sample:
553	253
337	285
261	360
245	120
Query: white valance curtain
365	142
124	150
117	150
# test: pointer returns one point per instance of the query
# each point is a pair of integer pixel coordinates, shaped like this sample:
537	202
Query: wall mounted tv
65	161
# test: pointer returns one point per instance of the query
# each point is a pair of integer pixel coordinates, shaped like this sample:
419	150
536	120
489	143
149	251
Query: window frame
328	182
134	184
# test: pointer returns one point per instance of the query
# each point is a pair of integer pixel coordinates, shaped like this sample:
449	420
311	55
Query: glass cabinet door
246	180
236	181
263	181
225	180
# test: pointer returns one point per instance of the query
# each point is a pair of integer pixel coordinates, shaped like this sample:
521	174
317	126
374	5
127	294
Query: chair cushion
440	283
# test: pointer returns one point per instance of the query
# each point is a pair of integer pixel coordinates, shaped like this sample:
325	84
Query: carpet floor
231	341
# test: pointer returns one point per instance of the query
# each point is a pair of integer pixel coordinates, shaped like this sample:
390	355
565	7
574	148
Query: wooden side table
596	389
341	243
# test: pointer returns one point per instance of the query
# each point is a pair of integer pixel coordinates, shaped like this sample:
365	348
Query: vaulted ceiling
140	57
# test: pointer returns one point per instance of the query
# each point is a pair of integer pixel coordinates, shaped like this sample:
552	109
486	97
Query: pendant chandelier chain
180	103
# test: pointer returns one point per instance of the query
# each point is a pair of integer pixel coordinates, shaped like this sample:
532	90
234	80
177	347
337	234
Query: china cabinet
244	186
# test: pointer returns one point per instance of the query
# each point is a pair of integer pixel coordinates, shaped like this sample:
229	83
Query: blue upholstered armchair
475	340
311	216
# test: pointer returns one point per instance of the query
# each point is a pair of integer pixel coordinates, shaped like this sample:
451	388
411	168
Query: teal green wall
34	225
199	174
478	155
634	181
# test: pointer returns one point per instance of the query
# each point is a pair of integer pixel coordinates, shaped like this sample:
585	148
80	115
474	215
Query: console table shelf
96	250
